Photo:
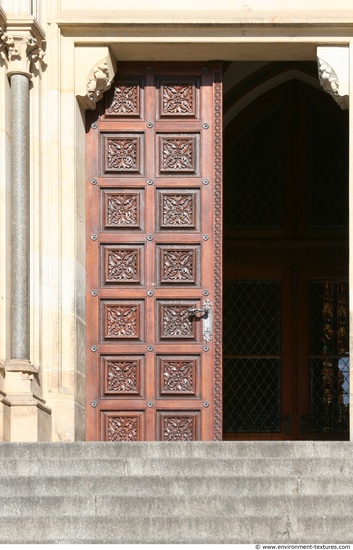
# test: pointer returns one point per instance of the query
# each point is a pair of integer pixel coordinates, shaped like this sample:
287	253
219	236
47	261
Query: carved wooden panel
178	375
125	99
123	375
178	264
179	426
178	154
178	210
122	264
123	426
123	153
122	209
175	321
122	319
178	98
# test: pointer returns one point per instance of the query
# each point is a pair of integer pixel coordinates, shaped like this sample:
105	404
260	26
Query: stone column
26	416
20	216
3	23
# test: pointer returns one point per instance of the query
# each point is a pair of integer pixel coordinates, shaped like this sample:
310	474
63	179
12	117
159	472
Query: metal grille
326	170
329	363
251	317
251	395
252	356
253	175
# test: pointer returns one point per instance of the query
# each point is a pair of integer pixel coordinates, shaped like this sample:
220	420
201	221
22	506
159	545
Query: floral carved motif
178	265
178	377
123	265
178	155
125	100
122	210
122	321
176	322
123	428
178	428
122	154
122	376
178	99
178	210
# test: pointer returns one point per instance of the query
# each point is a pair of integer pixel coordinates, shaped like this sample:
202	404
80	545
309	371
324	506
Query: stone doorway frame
95	66
333	69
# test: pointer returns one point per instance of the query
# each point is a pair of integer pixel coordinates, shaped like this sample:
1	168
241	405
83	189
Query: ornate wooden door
154	255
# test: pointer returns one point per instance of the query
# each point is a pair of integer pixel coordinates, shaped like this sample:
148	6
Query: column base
24	416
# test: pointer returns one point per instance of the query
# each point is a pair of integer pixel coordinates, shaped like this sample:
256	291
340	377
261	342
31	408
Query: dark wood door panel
153	195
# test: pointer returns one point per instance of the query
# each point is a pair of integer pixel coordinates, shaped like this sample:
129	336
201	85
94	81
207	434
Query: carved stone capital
22	46
333	69
98	78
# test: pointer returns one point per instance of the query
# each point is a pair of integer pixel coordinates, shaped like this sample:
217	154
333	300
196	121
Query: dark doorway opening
285	292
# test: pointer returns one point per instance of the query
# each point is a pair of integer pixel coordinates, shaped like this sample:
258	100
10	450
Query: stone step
176	530
275	466
197	449
179	506
157	485
213	492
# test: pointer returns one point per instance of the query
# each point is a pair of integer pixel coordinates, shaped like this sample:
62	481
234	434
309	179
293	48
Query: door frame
80	52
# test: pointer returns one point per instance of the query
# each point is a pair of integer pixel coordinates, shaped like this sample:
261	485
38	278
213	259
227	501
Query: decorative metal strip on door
152	155
252	356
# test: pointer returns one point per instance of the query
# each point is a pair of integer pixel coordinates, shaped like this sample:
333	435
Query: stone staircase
192	492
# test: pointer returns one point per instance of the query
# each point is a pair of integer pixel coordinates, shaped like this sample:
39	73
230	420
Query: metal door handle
192	311
206	317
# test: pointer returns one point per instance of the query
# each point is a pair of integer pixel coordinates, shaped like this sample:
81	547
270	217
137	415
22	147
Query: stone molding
98	80
20	365
26	400
22	406
3	20
22	45
333	69
3	25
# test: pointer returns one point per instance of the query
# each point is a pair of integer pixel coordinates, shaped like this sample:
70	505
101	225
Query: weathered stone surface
256	492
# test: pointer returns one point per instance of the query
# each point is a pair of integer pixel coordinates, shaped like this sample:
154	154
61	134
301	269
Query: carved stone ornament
3	23
99	81
22	46
333	70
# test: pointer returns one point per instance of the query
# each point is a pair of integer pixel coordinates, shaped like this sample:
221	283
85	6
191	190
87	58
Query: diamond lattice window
252	356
